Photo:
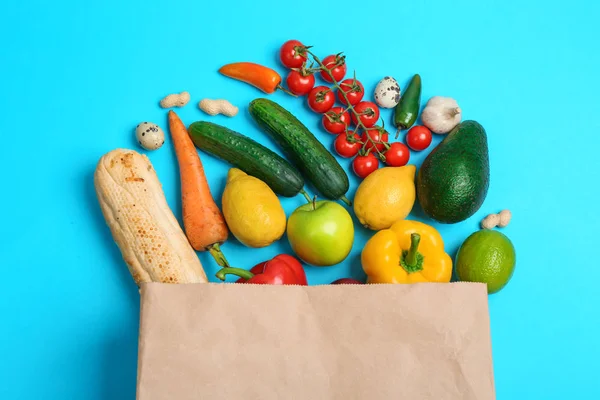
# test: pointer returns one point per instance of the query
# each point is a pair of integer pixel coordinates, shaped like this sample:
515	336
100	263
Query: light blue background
76	77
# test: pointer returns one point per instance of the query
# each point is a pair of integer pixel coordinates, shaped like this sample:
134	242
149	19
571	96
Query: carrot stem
217	254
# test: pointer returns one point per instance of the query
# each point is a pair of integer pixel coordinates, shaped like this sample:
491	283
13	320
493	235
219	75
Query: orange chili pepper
259	76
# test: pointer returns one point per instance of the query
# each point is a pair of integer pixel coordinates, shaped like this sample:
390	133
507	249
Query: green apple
321	233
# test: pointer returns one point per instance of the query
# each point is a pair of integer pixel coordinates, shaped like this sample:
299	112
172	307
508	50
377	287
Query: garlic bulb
441	114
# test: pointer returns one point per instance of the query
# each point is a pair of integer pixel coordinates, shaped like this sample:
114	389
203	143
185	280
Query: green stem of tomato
350	107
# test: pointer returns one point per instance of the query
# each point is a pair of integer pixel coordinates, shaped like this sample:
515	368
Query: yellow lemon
385	196
252	210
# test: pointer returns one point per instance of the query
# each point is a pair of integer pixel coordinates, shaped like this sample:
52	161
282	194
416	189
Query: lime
487	256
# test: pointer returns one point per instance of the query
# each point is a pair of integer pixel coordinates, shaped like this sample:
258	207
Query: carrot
203	222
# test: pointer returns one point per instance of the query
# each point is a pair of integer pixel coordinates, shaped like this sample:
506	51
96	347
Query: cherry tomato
292	54
299	83
337	64
364	165
418	138
397	155
354	91
336	120
321	99
369	113
346	149
376	134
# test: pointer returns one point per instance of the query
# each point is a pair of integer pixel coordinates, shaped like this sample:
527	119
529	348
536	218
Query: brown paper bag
243	341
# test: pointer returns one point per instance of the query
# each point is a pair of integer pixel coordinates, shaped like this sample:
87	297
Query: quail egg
387	92
149	135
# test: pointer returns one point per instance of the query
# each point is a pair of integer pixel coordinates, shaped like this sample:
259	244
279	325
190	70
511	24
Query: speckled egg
149	135
387	92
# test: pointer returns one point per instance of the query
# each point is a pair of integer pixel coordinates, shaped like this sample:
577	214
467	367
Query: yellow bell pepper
407	252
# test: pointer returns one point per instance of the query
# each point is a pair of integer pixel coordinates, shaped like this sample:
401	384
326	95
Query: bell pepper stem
242	273
285	90
217	254
411	260
411	257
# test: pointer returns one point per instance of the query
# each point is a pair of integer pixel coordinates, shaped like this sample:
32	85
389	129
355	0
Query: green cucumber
251	157
304	150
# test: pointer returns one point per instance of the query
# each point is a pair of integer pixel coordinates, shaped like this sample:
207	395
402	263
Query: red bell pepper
280	270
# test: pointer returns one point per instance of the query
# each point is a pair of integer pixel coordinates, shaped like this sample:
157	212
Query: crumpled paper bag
244	341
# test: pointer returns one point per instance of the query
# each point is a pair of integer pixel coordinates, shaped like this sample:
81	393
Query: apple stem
345	200
314	203
306	196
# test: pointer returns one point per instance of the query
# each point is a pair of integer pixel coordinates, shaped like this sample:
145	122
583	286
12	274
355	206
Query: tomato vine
368	145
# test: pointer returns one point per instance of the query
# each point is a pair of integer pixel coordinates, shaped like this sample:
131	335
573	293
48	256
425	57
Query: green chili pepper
407	109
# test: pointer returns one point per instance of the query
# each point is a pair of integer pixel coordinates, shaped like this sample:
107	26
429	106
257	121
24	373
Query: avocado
454	178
